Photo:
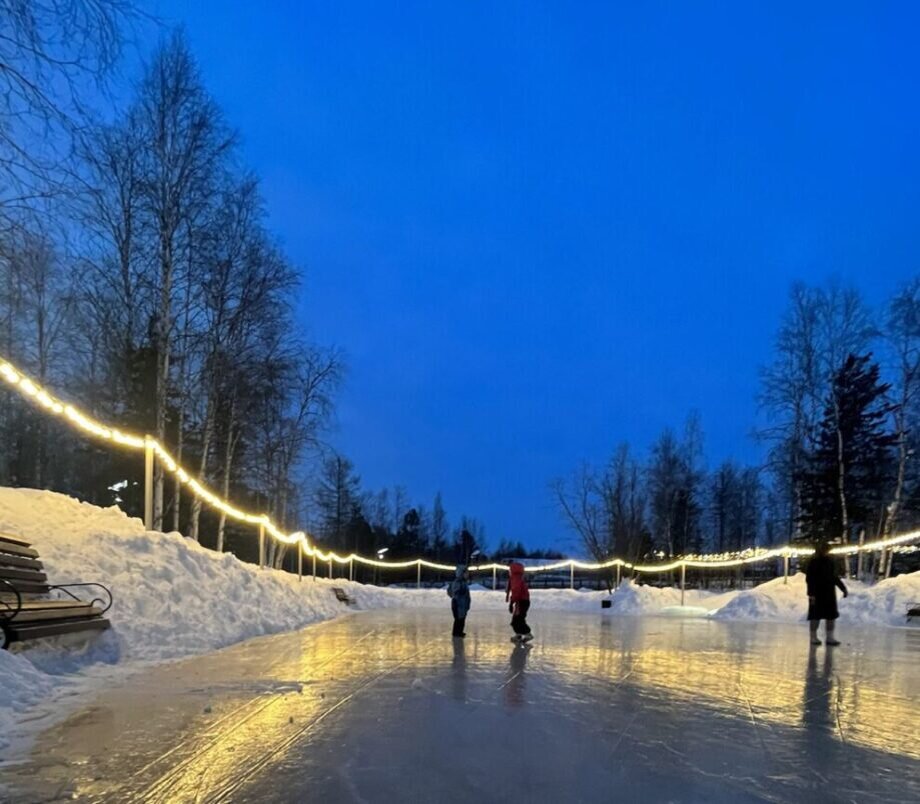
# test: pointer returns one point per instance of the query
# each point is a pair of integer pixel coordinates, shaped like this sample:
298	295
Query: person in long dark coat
822	581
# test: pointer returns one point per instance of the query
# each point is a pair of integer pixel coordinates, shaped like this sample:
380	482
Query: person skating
459	592
517	596
821	579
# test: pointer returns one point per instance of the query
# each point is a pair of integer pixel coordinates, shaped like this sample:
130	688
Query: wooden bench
342	596
31	608
913	610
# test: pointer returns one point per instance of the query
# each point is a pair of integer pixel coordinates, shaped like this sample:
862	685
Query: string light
45	400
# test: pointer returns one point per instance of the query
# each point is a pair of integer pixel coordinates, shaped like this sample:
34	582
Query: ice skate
526	637
815	642
832	643
516	638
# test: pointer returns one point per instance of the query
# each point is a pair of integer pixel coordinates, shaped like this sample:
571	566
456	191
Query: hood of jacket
516	569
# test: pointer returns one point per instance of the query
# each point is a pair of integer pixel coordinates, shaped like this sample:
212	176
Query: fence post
299	562
618	577
314	564
572	575
351	569
494	579
261	546
148	484
786	568
330	566
418	575
683	582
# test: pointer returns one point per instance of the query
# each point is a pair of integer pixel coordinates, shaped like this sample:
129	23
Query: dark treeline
350	519
840	402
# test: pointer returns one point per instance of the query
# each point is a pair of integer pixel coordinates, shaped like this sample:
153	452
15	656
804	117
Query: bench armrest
105	602
7	610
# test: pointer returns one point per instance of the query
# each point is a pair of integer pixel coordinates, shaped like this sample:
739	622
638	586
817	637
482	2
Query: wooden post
572	575
494	579
330	567
683	582
299	562
418	575
786	568
351	569
148	484
314	564
618	577
261	545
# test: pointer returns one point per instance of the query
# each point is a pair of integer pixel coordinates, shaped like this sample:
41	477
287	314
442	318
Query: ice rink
384	706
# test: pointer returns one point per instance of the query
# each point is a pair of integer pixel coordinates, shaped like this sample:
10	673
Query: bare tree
440	528
37	320
50	53
902	332
187	144
582	507
821	327
791	394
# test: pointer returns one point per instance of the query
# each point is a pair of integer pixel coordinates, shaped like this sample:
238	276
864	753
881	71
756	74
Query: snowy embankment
174	598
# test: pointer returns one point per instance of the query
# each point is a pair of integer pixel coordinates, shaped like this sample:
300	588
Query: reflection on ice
387	707
515	685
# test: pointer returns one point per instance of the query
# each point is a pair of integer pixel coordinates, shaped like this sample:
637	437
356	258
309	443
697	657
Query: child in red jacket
517	596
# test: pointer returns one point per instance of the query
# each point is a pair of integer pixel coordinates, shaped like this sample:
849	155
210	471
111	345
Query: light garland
32	391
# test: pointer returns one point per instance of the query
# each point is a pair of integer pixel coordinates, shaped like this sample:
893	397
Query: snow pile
21	686
172	596
632	598
886	602
774	601
882	604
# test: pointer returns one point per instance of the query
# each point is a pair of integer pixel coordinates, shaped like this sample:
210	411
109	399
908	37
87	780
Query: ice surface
174	598
384	706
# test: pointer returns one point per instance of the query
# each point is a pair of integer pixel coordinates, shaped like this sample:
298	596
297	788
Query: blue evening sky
540	228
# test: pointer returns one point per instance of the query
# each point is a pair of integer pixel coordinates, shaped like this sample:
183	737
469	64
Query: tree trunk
177	493
232	439
203	469
860	555
162	380
895	507
841	478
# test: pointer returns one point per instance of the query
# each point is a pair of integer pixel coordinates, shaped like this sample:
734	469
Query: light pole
380	554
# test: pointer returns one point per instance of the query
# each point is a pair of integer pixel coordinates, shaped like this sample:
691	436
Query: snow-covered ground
174	598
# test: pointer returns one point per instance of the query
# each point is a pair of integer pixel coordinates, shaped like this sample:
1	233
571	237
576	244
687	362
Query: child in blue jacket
459	592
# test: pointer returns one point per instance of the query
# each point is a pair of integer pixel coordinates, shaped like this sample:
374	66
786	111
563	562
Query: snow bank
884	603
635	599
774	601
172	596
22	685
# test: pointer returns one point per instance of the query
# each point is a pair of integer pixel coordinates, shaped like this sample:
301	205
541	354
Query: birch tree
902	333
187	142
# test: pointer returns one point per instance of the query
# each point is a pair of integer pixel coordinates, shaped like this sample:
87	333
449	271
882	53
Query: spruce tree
847	469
